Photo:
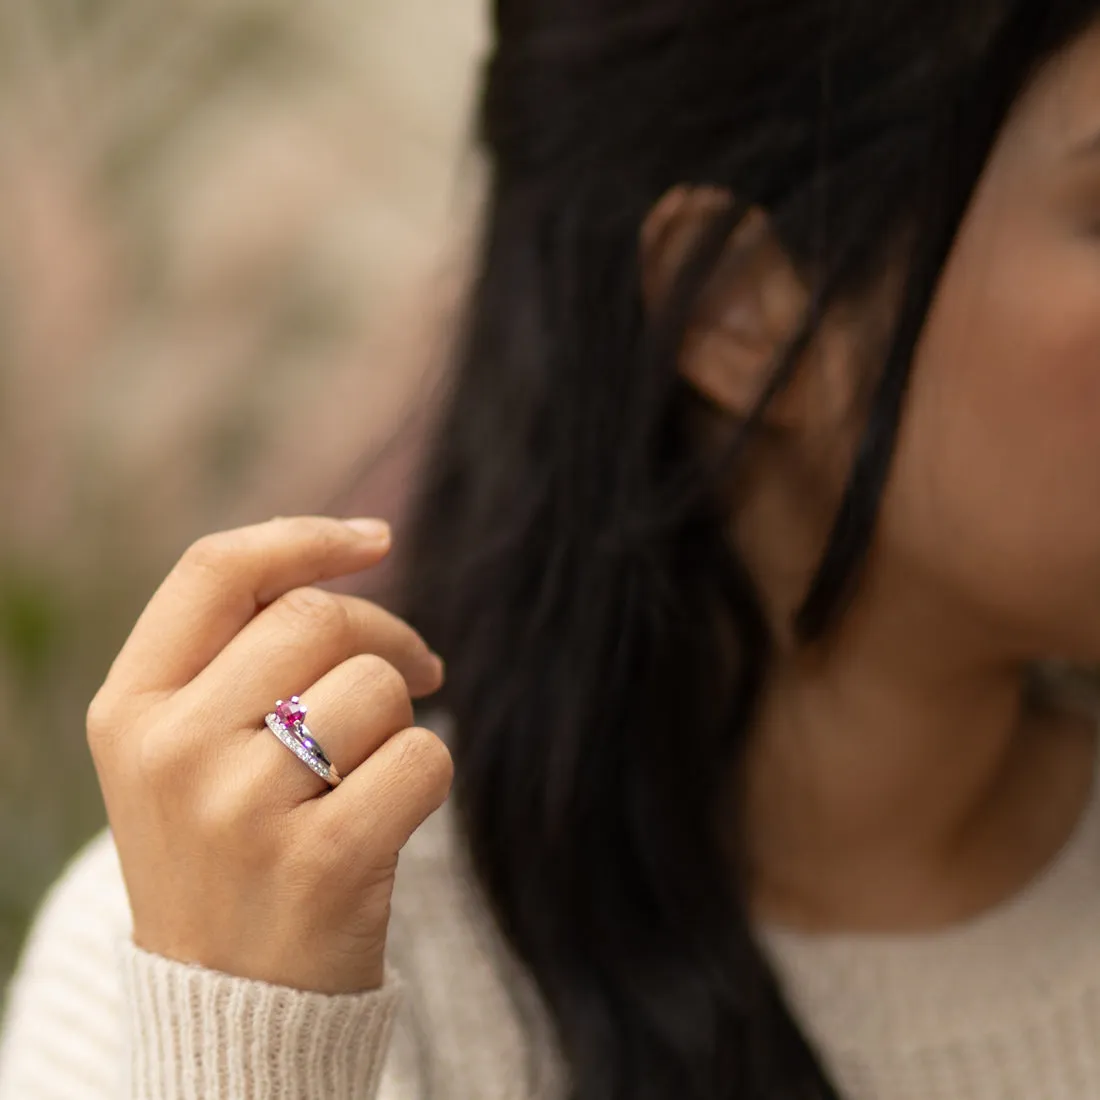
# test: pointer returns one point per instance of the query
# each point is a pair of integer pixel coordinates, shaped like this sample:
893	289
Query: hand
236	856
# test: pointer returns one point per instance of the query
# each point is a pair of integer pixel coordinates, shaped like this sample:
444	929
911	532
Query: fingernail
377	530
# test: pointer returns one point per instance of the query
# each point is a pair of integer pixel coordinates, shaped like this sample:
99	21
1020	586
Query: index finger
222	581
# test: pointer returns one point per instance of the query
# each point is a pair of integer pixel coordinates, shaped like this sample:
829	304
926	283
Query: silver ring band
316	761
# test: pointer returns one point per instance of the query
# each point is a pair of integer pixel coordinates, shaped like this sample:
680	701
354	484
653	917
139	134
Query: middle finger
296	640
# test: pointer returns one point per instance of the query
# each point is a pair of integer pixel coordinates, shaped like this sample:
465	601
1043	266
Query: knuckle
208	553
386	685
316	609
164	758
100	717
426	756
324	532
221	810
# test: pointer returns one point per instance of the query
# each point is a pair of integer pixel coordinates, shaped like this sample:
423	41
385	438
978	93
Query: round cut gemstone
292	713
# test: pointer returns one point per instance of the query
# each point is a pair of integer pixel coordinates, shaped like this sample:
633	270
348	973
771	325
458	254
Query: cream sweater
1007	1006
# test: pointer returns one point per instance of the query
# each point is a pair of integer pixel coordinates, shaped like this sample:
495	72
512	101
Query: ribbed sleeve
196	1034
88	1015
1003	1007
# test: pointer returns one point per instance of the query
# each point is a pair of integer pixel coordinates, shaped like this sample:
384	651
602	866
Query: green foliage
32	619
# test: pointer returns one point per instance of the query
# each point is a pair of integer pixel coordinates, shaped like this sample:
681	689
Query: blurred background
232	236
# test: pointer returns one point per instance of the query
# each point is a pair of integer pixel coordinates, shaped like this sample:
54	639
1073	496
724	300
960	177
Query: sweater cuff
199	1034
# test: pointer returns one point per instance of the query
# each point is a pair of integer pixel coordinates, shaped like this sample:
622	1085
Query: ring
287	722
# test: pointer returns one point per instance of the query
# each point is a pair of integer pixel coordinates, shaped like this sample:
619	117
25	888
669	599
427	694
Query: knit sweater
1004	1006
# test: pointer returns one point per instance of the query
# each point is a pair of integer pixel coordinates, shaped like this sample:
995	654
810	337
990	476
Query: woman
763	503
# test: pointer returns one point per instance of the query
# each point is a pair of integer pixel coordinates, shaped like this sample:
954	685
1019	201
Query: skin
210	814
898	779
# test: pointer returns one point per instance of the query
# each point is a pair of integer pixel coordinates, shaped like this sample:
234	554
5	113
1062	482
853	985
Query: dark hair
605	645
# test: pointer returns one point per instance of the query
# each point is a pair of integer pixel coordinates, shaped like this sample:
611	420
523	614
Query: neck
898	778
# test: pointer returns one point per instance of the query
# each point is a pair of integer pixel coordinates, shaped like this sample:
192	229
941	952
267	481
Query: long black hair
570	556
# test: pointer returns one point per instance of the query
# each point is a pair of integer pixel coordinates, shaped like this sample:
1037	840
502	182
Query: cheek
996	487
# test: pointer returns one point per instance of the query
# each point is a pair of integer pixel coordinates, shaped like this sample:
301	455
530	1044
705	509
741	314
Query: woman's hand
236	856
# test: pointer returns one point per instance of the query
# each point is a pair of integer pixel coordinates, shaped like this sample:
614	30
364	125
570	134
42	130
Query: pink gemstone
291	713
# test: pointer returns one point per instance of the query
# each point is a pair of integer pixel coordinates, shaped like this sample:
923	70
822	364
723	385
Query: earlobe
747	314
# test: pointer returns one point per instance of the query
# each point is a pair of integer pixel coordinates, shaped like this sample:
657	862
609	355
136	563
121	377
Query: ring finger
352	710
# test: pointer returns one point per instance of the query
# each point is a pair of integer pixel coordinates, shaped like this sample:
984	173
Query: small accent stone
314	748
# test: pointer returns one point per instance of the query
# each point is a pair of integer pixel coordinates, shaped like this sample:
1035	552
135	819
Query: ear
749	311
